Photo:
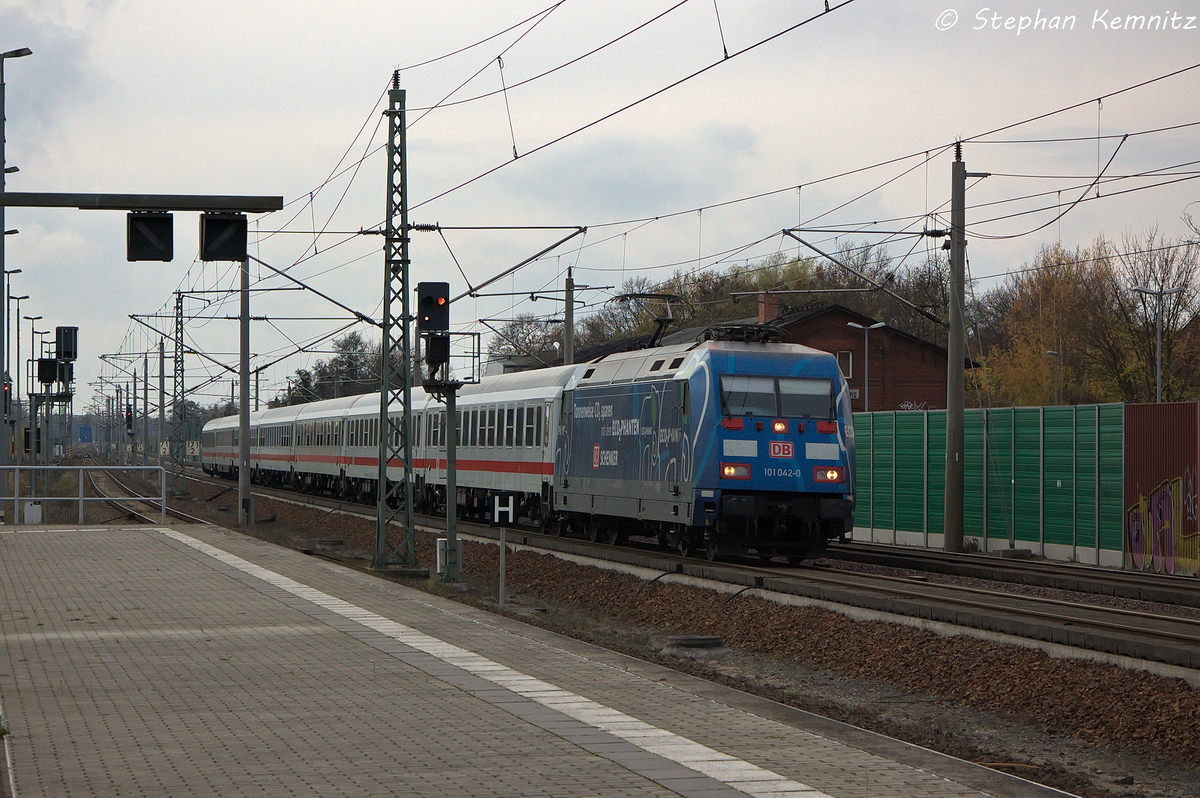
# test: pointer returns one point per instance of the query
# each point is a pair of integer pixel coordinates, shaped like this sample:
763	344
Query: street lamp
12	421
866	359
6	371
32	420
1057	361
1141	289
5	169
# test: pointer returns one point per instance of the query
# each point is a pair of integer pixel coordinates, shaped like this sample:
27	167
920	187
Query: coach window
531	426
520	427
458	428
537	433
443	428
491	427
510	417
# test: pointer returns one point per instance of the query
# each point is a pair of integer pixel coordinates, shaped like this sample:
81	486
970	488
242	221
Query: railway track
1143	633
106	485
1158	588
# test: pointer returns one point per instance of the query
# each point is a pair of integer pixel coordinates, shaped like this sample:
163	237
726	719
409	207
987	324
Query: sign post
504	515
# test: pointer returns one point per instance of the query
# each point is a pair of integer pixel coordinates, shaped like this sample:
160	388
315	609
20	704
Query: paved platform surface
191	660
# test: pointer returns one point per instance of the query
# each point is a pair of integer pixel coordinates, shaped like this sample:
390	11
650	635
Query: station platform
191	660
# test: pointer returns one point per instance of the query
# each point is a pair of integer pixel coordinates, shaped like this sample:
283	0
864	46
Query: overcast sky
272	98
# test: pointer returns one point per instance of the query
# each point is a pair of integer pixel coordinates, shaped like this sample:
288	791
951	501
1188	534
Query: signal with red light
433	307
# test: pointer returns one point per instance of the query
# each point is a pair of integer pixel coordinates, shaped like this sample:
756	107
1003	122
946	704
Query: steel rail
116	502
865	552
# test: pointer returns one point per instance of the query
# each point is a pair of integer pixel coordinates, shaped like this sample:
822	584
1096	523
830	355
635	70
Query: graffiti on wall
1155	537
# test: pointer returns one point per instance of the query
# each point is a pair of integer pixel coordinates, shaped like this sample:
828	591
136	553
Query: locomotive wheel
591	530
710	548
682	541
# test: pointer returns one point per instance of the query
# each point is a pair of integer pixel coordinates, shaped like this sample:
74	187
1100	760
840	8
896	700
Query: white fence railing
34	496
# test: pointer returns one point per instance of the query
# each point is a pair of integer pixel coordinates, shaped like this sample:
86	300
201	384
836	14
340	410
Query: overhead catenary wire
633	104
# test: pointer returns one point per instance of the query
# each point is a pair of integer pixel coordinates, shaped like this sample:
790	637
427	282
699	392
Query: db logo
782	449
596	456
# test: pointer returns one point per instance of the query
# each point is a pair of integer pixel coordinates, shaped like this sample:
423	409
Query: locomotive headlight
827	474
779	426
735	471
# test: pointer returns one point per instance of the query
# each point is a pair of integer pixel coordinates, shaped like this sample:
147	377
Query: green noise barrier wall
1047	476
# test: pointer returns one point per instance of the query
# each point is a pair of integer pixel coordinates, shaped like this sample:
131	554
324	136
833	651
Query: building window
846	363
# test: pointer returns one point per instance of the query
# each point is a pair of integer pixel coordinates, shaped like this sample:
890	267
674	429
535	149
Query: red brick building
905	372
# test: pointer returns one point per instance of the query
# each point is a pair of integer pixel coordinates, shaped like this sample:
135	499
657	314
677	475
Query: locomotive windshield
777	397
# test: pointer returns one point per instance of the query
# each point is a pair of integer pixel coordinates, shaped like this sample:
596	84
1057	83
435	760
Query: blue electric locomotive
717	447
713	447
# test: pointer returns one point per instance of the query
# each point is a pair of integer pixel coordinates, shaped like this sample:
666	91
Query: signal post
433	320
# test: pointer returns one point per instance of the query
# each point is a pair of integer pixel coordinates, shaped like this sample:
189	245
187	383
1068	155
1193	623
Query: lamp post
5	169
866	359
8	363
16	401
1141	289
32	355
1057	361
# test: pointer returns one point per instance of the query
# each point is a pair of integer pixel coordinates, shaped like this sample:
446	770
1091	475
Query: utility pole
121	427
955	348
956	353
453	550
395	434
4	170
569	321
133	397
177	430
145	410
245	500
162	398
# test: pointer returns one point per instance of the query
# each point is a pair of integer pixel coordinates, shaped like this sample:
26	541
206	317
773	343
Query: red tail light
732	423
827	427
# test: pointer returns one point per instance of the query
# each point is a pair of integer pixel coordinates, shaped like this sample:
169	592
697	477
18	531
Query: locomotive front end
776	475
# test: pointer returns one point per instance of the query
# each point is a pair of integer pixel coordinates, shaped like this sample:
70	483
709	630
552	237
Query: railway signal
433	307
149	236
223	236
